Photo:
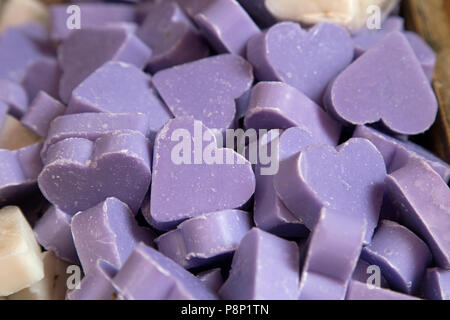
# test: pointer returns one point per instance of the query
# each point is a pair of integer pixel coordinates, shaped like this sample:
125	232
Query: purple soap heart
43	109
361	291
53	232
400	254
12	64
226	26
205	240
192	7
18	172
149	275
107	231
103	91
306	60
397	153
14	96
386	84
97	284
423	199
201	180
91	15
79	173
363	272
348	179
206	89
264	267
437	284
333	251
92	126
87	49
213	278
269	212
172	37
425	54
42	75
277	105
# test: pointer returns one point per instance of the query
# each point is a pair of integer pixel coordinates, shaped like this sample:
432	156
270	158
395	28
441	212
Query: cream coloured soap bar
20	255
16	12
13	134
52	287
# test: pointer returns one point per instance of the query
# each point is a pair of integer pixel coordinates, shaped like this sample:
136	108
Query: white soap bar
349	13
17	12
14	135
20	255
54	284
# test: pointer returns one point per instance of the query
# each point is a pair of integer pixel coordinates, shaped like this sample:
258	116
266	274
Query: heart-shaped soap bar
87	49
192	176
387	83
307	61
349	179
206	89
171	35
79	173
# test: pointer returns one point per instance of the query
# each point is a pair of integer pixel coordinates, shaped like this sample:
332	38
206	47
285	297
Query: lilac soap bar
14	96
13	65
192	7
18	172
97	284
199	181
363	272
423	199
185	92
226	26
437	284
103	91
361	291
53	232
348	179
264	267
400	254
334	248
269	212
205	240
149	275
106	231
386	84
92	126
43	109
213	278
306	60
276	105
397	153
171	35
87	49
425	54
79	173
91	15
42	75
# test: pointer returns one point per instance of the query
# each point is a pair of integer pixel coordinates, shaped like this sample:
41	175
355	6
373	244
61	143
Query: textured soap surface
400	254
437	284
226	26
212	278
184	190
149	275
14	96
87	49
276	105
42	75
79	173
264	267
349	179
107	231
171	35
332	254
423	199
391	85
307	60
206	89
205	240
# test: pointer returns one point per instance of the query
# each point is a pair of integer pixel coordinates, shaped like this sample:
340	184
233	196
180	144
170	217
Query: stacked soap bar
198	149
